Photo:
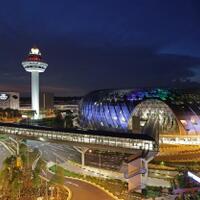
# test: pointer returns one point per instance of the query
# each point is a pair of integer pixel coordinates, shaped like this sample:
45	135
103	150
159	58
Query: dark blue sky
101	44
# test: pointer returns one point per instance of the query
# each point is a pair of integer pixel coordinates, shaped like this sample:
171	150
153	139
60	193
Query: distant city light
90	151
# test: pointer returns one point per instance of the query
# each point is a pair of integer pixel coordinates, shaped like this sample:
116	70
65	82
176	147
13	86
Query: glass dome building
143	111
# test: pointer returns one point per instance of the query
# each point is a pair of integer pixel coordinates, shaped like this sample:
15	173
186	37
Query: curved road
85	191
82	190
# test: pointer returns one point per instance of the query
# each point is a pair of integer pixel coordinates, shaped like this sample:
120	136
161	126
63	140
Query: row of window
98	140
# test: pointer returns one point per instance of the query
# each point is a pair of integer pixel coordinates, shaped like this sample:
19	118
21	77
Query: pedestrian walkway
92	171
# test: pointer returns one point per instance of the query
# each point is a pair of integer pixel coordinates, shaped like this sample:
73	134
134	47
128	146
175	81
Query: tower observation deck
34	64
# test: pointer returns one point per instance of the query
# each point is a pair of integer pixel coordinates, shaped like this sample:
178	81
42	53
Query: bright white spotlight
193	176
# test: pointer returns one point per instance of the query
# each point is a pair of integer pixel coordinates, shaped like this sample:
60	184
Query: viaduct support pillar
137	174
146	174
82	151
134	175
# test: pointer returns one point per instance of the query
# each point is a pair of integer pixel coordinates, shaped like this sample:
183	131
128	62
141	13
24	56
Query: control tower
34	64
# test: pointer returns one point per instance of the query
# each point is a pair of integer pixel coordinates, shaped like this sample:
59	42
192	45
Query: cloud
76	69
90	46
72	91
108	67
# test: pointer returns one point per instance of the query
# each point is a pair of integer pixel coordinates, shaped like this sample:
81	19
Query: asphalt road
58	153
84	191
3	154
61	153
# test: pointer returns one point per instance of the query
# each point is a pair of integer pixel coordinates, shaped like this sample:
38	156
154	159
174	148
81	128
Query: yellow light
18	162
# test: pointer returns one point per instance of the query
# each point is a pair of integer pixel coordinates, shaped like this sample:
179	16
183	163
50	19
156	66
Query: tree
59	176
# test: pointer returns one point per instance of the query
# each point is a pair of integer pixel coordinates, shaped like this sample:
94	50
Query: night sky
101	44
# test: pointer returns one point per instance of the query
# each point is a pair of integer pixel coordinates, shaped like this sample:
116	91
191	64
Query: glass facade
151	114
139	110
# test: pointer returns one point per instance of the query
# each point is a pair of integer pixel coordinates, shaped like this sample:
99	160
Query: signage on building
3	96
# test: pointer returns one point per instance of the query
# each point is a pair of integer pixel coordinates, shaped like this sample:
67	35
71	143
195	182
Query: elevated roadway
120	142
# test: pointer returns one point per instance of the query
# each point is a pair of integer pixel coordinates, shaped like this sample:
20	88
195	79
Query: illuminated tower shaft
35	65
35	93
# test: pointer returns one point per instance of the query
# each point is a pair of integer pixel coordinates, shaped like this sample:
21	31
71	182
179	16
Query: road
84	191
4	154
58	153
61	153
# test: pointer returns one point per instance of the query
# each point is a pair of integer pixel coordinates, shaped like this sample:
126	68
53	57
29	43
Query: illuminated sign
193	176
3	96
